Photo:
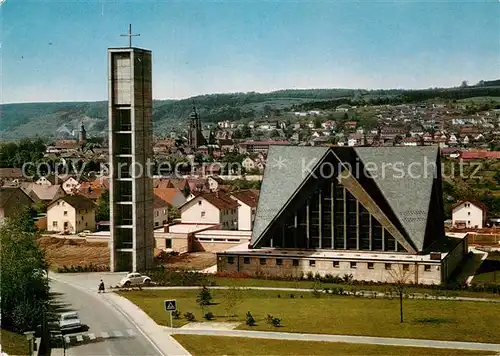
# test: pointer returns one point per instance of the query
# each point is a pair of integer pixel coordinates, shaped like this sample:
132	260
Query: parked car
69	321
134	278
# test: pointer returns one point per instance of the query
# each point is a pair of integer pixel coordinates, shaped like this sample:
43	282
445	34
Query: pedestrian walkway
361	293
168	345
474	265
437	344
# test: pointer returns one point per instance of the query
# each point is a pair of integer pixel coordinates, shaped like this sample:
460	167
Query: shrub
204	297
176	314
209	316
276	322
250	320
269	319
189	316
316	291
310	275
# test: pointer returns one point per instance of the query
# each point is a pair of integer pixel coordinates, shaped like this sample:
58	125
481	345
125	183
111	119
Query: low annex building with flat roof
360	211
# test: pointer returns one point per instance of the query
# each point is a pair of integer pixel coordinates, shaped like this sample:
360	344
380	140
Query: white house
160	211
70	185
248	164
469	214
211	208
71	214
247	199
214	182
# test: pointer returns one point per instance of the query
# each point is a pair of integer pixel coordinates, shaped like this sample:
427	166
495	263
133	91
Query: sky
57	50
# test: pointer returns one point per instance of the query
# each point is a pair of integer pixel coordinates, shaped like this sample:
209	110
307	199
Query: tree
496	177
24	285
173	213
400	277
246	132
274	133
317	123
237	134
204	298
232	298
102	211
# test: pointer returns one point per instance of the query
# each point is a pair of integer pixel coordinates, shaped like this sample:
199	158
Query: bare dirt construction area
187	261
73	252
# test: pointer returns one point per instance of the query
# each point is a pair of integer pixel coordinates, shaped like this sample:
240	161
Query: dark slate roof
76	201
283	176
409	197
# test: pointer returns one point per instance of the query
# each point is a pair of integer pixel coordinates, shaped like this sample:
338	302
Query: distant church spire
195	136
82	137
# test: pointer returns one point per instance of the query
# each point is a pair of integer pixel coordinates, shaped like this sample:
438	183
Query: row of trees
15	154
24	282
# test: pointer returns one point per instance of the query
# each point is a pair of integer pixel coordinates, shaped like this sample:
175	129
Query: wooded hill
58	120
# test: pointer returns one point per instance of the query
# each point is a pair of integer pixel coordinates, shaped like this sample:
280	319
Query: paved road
109	331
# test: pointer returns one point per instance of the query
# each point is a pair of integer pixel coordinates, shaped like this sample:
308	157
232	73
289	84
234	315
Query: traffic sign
170	305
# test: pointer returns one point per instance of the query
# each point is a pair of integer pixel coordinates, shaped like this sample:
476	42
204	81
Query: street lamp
30	338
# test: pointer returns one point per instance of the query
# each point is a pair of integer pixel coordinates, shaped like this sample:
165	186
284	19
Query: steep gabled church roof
283	176
408	196
405	200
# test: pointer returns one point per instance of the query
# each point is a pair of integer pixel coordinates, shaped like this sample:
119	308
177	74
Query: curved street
107	331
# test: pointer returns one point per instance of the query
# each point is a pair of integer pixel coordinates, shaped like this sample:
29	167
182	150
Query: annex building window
246	260
295	263
279	262
427	268
371	265
336	264
353	264
388	266
312	263
230	260
406	267
262	261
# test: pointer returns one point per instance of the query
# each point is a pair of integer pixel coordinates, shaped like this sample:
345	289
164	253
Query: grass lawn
489	271
13	344
217	345
424	319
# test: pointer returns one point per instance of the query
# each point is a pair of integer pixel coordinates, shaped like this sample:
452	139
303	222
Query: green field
425	319
489	271
13	344
218	345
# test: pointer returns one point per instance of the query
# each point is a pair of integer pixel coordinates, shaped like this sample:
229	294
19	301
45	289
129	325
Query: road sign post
170	306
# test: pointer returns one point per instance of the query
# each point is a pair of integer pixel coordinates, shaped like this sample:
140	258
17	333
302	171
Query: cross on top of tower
130	35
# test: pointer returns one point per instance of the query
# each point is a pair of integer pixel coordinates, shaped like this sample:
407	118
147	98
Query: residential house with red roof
247	199
172	196
468	214
211	208
160	211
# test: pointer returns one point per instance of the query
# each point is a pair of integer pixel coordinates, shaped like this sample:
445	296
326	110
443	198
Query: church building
195	135
361	211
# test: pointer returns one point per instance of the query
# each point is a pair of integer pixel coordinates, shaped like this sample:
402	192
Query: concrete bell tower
130	148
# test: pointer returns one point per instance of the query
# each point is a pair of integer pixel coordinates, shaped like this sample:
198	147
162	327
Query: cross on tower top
130	35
